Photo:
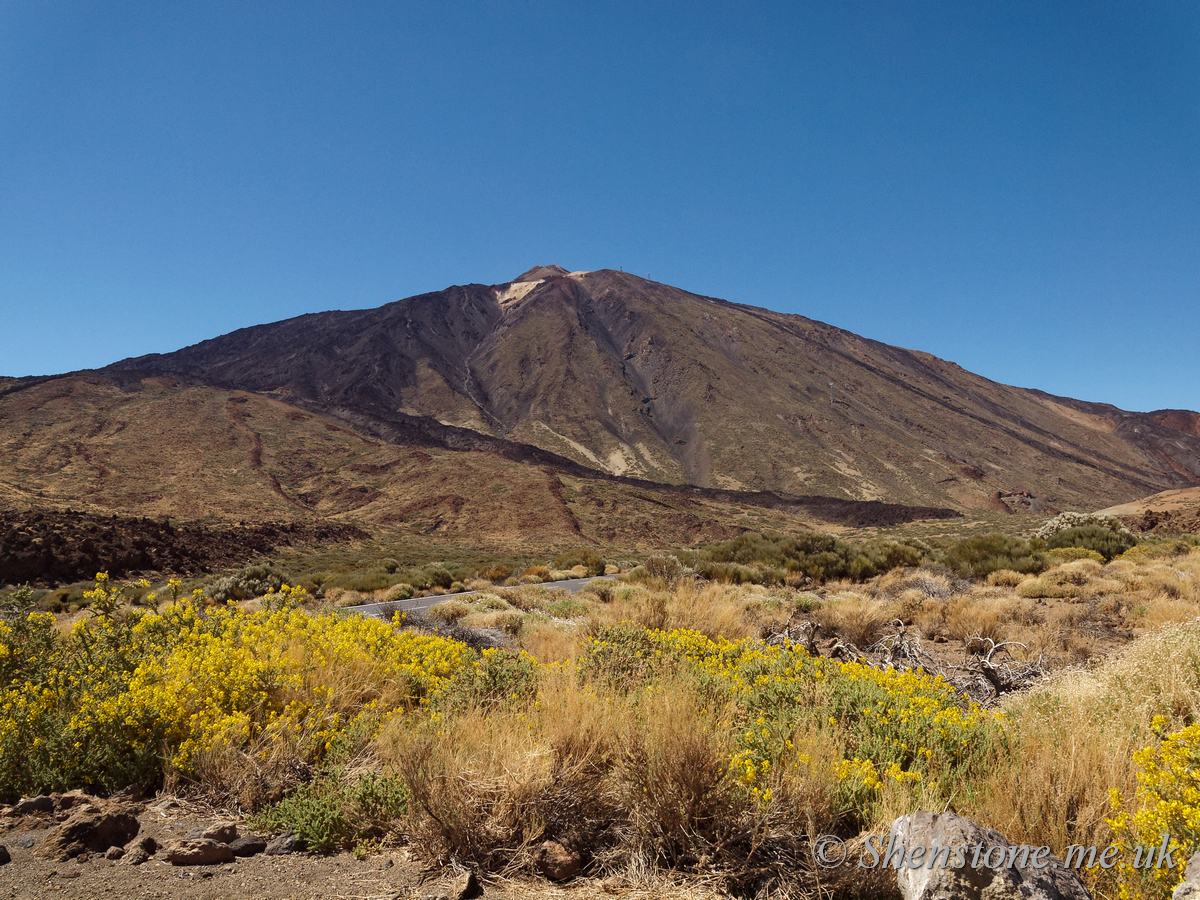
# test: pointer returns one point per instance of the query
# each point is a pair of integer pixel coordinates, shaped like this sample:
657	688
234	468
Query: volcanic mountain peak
541	273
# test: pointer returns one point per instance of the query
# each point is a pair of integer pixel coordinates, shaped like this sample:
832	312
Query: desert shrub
930	583
1166	802
856	619
336	812
252	581
365	581
1107	542
491	602
398	592
1070	554
447	612
665	566
539	572
567	608
773	558
498	573
726	572
902	728
389	565
1071	520
27	638
192	691
591	561
1005	578
496	678
621	655
1044	589
980	555
342	598
601	590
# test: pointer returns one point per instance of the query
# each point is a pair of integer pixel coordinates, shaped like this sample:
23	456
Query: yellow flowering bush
127	695
1168	803
909	726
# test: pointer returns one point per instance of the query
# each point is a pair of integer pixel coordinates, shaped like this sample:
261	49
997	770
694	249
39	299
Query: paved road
420	604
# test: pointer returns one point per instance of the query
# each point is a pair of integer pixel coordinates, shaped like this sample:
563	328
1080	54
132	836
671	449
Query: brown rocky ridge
635	378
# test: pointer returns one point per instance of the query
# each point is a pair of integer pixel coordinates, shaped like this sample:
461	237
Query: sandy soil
391	874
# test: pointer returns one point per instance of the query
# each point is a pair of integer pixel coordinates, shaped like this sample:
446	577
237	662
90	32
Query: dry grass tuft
854	618
448	612
1005	578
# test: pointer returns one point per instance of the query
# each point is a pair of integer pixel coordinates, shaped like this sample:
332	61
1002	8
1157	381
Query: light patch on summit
579	274
515	292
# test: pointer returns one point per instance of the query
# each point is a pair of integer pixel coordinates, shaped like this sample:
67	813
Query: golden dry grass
1073	740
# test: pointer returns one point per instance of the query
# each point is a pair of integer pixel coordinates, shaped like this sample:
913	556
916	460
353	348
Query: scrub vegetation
711	713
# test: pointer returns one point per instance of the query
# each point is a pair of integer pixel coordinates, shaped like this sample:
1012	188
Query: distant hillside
166	446
622	375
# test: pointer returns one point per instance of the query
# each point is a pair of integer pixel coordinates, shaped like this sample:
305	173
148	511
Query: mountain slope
631	377
163	446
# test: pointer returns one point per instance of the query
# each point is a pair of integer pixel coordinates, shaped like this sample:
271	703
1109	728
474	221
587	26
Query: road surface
384	610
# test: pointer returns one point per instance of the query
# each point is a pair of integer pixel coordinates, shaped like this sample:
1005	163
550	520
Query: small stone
465	886
31	805
148	845
222	834
248	845
284	844
114	852
557	862
27	842
132	793
5	858
135	857
202	852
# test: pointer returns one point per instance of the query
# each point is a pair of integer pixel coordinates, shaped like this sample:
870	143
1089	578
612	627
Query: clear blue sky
1012	185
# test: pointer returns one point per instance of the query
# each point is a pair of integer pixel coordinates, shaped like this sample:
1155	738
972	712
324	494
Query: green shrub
1070	520
330	813
398	592
498	677
983	554
1105	541
566	609
753	558
436	576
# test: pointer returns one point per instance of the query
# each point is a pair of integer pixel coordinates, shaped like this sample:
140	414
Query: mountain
605	372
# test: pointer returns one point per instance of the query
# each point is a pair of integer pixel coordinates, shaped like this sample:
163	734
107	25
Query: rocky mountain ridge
628	377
